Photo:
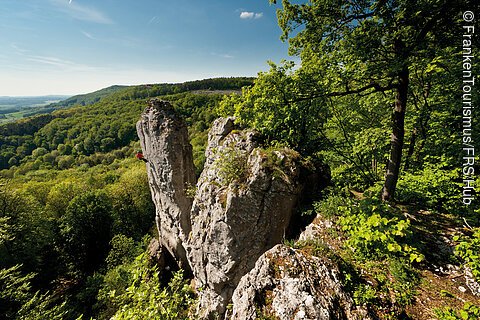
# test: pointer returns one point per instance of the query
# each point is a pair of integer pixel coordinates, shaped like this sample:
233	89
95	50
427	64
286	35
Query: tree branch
373	85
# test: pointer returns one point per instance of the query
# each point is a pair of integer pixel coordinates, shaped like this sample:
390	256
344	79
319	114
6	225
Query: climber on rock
140	156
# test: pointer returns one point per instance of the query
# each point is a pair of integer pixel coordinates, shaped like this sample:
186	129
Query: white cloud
88	35
64	65
223	55
81	12
30	61
154	20
250	15
18	49
247	15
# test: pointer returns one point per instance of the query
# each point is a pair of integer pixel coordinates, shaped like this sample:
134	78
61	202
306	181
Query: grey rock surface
164	140
291	284
243	204
155	253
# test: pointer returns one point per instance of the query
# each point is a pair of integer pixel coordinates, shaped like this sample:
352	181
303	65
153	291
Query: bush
382	252
19	301
469	312
433	187
123	251
86	230
145	298
231	165
374	232
333	205
469	251
272	107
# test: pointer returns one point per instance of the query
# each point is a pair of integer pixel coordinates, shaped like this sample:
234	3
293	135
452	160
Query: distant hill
213	85
14	108
25	102
88	98
100	126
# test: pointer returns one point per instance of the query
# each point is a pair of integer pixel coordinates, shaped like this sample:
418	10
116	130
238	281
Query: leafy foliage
231	165
270	107
86	230
379	246
18	301
76	205
373	228
4	230
432	187
468	250
99	127
145	298
73	215
469	312
61	229
360	62
123	250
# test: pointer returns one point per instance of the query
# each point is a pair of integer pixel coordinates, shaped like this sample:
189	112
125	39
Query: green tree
60	195
145	298
123	251
18	301
273	107
368	47
39	152
4	230
30	233
133	211
86	231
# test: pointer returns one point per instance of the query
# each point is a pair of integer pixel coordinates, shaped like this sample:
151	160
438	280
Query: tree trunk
398	133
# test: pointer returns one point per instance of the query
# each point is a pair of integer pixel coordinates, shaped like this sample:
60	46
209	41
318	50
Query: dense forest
377	98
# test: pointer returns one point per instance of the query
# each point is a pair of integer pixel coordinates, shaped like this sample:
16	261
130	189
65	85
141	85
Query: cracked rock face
289	284
244	200
243	204
164	140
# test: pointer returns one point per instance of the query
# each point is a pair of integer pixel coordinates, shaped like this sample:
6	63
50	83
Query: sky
70	47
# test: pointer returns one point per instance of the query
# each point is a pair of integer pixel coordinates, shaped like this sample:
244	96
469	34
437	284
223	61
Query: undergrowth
468	250
468	312
377	251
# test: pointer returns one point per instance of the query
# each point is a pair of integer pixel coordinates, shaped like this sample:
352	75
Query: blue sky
79	46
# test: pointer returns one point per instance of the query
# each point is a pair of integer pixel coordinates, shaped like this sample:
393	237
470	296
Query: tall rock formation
164	140
243	204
